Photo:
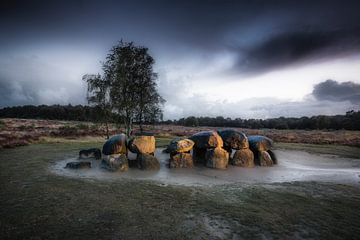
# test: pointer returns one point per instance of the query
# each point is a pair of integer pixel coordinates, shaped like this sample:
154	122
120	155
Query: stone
260	143
115	162
243	158
147	162
115	145
88	153
273	156
142	145
265	159
78	165
233	139
207	139
217	158
181	160
178	145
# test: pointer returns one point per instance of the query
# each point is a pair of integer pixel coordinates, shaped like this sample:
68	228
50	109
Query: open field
19	132
36	204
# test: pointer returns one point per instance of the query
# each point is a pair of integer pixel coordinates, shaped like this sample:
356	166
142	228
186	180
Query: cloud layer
198	45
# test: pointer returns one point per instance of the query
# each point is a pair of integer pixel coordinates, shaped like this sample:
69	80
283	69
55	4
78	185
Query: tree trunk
128	126
107	129
140	123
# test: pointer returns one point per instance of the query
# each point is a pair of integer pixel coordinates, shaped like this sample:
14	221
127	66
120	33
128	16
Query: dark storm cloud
334	91
297	47
261	35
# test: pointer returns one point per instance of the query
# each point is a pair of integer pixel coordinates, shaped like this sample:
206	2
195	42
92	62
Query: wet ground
292	166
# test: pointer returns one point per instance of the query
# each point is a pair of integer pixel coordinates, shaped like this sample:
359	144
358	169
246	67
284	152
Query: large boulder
217	158
181	160
147	162
233	139
115	145
115	162
142	145
260	143
78	165
207	139
92	152
273	156
265	159
180	146
243	158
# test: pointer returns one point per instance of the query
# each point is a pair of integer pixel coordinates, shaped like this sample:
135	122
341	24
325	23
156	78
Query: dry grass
18	132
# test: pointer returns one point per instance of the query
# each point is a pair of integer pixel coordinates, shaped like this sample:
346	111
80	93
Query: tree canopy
128	85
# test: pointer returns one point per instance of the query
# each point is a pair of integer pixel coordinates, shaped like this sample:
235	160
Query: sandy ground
292	166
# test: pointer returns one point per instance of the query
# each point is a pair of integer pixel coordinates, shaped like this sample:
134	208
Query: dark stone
181	160
233	139
179	145
147	162
207	139
260	143
78	165
273	156
142	144
92	152
217	158
115	145
265	159
243	158
115	163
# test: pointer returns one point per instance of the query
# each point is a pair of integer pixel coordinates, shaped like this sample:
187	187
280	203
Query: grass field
35	204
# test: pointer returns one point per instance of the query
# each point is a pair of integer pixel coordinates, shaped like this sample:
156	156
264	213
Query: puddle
292	166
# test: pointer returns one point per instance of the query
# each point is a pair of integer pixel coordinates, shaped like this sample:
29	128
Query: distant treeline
53	112
349	121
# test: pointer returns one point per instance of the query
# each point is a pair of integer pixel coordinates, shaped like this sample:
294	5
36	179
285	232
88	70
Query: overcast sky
249	59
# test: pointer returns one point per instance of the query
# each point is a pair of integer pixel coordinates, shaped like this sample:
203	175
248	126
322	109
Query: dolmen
235	140
180	156
208	149
261	147
115	154
144	147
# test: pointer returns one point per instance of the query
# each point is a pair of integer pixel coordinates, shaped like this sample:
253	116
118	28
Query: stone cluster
214	150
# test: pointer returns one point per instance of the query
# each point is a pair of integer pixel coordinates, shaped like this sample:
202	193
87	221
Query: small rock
92	152
78	165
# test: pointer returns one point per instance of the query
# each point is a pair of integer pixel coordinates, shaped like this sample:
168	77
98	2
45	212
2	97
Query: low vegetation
18	132
349	121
